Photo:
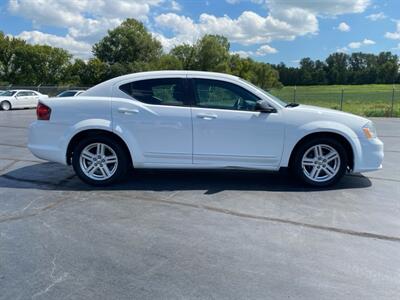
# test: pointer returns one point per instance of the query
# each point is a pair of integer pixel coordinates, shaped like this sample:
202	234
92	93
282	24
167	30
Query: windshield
8	93
276	99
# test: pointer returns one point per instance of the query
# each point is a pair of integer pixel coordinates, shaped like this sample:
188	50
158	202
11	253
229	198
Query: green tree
128	43
212	53
337	64
186	54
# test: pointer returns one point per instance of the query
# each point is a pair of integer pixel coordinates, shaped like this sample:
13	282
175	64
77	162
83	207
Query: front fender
295	134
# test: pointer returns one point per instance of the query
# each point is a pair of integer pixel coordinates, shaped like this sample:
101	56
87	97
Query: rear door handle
127	111
207	116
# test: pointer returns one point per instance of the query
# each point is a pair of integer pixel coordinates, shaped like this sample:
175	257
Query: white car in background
20	99
198	120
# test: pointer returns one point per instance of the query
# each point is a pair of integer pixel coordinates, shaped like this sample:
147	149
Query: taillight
43	112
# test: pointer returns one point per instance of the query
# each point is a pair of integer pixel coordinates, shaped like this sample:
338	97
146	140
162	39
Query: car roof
104	87
23	91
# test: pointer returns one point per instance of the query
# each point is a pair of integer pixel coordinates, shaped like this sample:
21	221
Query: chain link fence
368	100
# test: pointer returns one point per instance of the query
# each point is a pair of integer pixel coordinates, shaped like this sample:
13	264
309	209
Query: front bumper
370	157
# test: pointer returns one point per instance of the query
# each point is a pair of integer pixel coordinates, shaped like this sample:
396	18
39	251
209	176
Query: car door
155	116
21	99
31	99
228	132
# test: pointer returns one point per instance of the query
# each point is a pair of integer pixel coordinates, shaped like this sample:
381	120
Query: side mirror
264	107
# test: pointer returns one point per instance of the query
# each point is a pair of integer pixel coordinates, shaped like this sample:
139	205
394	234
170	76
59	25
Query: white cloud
376	17
175	6
356	45
343	27
242	53
368	42
80	49
394	35
323	8
286	20
266	49
86	21
342	50
249	28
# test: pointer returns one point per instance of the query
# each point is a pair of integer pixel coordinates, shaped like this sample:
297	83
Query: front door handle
127	111
207	116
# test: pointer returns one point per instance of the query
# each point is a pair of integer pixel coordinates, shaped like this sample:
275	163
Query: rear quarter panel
69	116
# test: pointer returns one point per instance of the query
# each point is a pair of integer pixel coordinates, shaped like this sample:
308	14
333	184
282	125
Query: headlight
369	130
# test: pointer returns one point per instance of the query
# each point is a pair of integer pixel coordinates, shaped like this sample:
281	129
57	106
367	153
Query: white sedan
192	120
19	99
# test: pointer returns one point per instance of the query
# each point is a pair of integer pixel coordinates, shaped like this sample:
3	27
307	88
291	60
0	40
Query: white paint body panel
175	137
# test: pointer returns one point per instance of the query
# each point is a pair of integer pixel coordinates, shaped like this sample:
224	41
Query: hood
322	113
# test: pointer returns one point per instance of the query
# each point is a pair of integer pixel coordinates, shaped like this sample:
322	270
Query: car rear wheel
5	105
320	162
100	161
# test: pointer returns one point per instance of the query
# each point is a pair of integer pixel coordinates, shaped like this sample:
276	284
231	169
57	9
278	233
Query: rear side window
163	91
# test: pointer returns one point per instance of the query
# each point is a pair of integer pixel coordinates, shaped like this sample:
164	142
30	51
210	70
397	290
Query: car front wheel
5	105
320	162
100	161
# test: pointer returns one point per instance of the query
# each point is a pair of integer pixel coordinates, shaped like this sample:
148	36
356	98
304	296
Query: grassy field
372	100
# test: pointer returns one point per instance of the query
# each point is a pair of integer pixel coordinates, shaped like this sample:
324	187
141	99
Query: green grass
372	100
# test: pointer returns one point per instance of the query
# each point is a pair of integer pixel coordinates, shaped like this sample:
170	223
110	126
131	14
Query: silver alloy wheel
98	161
5	105
320	163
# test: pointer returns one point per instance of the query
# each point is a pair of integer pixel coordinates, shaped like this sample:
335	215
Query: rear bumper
45	141
371	156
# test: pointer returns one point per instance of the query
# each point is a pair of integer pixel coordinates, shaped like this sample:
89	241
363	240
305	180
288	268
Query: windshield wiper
292	104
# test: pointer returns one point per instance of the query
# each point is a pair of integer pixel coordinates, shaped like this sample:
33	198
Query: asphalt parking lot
195	235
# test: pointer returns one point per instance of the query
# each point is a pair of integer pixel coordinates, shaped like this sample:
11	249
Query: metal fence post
341	99
294	94
392	107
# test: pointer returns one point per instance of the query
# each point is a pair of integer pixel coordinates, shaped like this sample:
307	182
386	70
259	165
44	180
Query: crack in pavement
11	145
168	200
275	220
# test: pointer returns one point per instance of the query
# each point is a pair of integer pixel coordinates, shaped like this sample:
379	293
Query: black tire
122	155
297	166
5	105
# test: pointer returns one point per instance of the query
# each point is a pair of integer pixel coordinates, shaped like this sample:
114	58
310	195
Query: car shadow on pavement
59	177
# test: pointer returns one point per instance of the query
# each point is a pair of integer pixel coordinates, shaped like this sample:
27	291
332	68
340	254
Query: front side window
163	91
223	95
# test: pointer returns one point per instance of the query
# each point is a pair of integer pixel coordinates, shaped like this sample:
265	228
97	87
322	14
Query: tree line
342	68
131	48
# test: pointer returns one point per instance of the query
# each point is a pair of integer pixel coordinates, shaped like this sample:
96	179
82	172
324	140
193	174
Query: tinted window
67	94
165	91
223	95
8	93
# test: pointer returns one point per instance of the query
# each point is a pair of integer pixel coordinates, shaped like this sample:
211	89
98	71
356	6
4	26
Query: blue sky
267	30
